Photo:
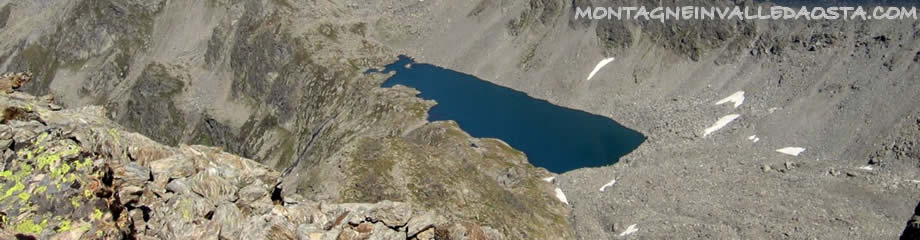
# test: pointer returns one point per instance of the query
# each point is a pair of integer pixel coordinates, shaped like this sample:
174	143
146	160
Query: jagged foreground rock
73	174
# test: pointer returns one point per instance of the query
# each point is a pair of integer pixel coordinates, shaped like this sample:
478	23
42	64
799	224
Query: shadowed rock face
912	230
150	108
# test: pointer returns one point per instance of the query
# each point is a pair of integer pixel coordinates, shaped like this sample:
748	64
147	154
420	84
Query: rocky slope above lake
845	91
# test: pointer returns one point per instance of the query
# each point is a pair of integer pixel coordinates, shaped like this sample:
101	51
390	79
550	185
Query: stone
428	234
176	166
420	223
177	218
179	186
211	186
131	174
73	234
349	234
6	144
145	152
364	228
384	232
228	216
137	218
252	192
316	236
262	206
309	231
303	213
459	232
393	214
766	168
293	199
130	194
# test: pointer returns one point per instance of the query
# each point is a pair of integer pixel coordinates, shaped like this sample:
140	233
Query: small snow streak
561	196
720	124
737	98
794	151
610	184
629	230
600	65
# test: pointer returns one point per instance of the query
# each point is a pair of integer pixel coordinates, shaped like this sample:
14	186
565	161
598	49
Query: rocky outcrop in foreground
73	174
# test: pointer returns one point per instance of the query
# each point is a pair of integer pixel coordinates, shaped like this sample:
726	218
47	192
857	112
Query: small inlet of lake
556	138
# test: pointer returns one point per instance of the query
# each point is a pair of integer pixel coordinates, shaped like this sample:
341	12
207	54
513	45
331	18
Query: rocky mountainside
845	91
284	82
74	174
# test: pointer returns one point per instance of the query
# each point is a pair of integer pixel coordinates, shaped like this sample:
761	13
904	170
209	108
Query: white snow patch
549	179
737	98
794	151
629	230
720	123
600	65
772	109
561	196
754	138
610	184
867	168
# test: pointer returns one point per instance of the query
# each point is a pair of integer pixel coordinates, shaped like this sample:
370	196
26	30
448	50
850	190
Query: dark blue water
556	138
